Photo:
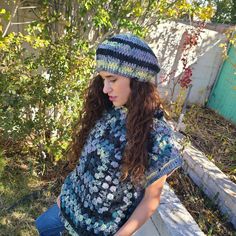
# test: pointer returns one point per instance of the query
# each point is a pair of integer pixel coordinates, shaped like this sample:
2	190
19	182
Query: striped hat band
129	56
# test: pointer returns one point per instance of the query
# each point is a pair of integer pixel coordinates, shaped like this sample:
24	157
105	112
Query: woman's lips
112	98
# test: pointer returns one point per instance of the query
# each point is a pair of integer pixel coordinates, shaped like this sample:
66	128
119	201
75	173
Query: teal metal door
223	95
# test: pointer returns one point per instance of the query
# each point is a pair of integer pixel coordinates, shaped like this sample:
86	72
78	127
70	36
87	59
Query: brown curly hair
142	103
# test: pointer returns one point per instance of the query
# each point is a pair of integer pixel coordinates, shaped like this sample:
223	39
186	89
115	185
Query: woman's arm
145	209
58	201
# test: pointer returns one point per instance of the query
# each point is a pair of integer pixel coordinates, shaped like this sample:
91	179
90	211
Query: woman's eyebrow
109	77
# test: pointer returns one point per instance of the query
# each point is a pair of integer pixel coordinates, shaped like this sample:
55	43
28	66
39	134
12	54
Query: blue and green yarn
129	56
94	200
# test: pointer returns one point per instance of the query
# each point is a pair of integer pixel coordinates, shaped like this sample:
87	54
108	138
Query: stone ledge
148	229
172	218
207	176
215	184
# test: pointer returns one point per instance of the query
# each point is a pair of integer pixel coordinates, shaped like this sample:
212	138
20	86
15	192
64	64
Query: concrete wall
205	60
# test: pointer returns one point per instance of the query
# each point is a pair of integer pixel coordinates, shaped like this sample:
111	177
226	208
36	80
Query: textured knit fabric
129	56
93	199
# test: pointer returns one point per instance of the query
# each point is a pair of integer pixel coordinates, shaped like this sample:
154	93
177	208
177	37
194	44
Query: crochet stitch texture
93	199
129	56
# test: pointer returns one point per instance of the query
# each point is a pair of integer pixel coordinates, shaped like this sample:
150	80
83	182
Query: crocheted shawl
93	199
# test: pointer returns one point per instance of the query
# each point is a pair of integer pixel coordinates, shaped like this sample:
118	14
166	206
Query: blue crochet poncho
93	199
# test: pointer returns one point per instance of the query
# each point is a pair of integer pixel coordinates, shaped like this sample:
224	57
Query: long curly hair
142	103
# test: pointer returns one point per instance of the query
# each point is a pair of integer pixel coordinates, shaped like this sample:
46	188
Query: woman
123	147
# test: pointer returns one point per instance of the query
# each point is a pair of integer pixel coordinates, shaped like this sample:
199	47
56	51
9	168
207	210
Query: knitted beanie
129	56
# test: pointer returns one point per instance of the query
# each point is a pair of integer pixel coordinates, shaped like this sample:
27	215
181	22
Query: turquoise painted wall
223	95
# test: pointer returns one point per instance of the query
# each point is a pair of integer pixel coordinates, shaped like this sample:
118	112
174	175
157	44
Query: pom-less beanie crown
129	56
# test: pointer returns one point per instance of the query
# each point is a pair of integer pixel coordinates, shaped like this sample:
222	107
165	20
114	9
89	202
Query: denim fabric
49	223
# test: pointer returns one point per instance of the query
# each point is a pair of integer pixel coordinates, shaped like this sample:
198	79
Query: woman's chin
117	104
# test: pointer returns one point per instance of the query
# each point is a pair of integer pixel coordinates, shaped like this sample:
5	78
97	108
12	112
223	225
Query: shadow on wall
205	59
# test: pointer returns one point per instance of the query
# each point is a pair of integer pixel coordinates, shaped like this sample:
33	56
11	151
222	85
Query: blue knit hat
129	56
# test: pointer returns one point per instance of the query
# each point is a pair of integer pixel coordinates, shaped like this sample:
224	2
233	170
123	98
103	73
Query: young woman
122	145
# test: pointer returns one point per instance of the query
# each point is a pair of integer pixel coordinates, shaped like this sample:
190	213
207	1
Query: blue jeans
49	223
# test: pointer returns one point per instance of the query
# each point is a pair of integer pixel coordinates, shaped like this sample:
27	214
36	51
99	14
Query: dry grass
202	209
214	136
23	196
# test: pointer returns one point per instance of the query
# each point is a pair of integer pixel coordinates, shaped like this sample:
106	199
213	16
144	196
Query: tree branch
12	17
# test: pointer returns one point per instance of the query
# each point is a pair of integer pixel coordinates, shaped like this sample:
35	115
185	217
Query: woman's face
117	88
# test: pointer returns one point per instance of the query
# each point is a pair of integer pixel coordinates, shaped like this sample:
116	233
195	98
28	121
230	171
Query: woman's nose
106	87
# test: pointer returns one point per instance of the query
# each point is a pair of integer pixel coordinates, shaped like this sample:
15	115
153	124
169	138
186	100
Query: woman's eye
113	80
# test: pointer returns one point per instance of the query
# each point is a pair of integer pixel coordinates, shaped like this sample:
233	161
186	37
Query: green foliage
5	14
42	90
180	9
225	12
2	161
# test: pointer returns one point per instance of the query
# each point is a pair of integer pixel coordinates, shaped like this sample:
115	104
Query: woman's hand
58	201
